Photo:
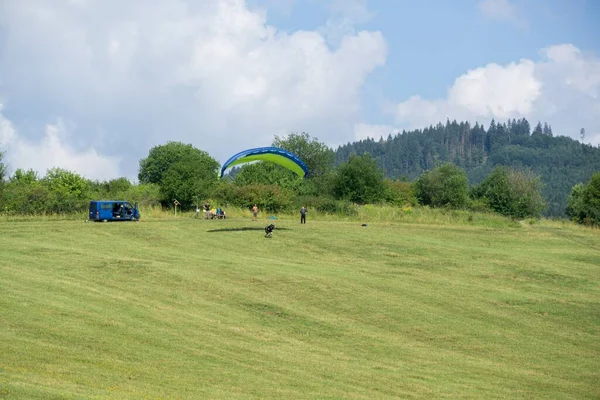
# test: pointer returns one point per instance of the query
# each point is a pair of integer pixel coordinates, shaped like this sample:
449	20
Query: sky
92	85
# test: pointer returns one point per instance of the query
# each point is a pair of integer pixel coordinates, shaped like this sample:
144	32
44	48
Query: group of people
211	213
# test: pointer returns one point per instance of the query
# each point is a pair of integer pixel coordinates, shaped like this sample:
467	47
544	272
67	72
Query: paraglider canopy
274	154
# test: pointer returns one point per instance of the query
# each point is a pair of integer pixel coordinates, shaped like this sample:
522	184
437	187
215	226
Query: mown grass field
180	308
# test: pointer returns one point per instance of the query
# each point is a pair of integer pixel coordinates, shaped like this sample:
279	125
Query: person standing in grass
303	215
206	210
254	212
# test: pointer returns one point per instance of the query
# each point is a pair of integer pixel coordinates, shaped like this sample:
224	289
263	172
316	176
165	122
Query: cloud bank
91	86
563	88
136	74
53	151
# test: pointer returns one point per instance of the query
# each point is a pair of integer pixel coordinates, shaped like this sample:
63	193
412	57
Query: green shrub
223	192
27	199
479	205
399	193
147	195
270	198
575	208
444	186
512	193
359	180
583	205
591	199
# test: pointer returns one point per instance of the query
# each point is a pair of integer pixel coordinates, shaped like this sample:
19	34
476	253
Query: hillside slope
560	161
183	309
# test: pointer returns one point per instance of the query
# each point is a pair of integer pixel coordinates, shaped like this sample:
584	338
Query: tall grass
358	213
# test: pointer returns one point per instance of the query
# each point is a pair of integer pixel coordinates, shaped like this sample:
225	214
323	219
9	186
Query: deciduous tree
182	171
583	204
316	155
511	192
359	180
446	185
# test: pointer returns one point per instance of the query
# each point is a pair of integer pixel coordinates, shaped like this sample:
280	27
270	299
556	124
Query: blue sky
92	86
423	33
434	41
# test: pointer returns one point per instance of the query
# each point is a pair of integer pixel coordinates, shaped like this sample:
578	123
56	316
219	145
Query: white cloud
213	74
503	10
496	84
53	150
563	88
576	70
346	15
284	7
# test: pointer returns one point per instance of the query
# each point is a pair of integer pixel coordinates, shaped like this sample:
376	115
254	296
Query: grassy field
180	308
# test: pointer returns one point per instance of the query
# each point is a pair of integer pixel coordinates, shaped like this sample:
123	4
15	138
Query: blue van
113	210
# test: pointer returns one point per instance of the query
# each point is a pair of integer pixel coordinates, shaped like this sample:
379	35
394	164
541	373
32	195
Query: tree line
560	161
179	171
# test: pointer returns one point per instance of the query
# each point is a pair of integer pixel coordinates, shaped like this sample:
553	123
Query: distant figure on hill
254	212
303	215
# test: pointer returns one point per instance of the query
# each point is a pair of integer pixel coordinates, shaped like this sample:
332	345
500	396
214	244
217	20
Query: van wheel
104	220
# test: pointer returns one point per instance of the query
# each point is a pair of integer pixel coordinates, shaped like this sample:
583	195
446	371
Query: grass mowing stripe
186	308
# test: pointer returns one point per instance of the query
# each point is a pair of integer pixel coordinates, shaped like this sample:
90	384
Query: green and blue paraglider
276	155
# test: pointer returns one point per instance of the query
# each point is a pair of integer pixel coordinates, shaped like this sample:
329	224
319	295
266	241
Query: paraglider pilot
303	215
269	230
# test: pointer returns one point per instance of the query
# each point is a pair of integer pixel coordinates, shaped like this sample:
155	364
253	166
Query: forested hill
560	161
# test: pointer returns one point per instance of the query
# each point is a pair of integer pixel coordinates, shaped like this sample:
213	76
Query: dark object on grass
364	225
269	230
